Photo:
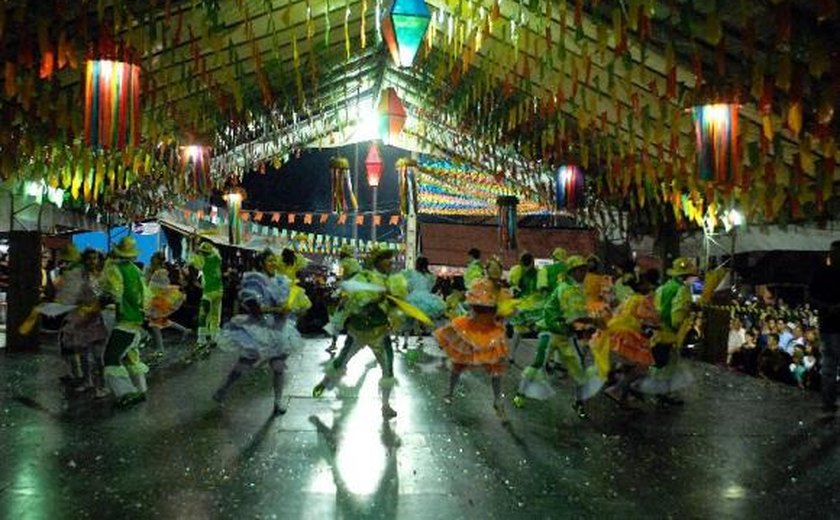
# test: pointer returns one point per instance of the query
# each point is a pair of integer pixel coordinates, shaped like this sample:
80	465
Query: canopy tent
513	88
772	238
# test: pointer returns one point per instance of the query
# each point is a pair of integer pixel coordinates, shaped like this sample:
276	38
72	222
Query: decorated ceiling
514	88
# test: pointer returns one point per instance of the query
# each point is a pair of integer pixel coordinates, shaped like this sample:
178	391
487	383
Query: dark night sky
303	185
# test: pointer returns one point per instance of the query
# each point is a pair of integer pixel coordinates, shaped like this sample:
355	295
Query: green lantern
403	29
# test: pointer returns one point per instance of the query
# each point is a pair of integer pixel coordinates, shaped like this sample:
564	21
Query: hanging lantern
195	163
373	166
234	200
507	221
716	132
408	186
403	28
112	104
391	115
569	187
341	185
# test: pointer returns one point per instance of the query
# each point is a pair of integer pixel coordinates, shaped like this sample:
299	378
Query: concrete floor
739	448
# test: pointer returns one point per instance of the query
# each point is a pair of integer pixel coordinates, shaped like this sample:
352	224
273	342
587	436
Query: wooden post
24	288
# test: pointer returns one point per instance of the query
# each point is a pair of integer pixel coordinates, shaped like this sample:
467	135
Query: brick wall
447	244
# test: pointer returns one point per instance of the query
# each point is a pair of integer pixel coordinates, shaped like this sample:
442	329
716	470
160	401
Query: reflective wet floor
739	448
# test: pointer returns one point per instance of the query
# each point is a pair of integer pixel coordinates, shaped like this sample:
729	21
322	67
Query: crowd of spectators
776	341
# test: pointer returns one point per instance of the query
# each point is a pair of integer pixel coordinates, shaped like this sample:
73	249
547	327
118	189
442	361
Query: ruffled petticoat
477	345
431	304
260	337
674	376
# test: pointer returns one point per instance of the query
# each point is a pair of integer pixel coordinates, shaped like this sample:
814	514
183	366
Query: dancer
165	299
627	335
371	311
567	328
548	276
523	282
123	283
208	260
474	269
673	304
82	334
420	284
478	340
265	333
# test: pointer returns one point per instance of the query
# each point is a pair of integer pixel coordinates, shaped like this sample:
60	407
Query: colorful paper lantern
391	115
195	163
403	28
716	133
569	187
112	104
373	166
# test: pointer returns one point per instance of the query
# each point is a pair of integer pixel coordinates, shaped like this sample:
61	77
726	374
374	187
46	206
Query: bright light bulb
735	217
716	114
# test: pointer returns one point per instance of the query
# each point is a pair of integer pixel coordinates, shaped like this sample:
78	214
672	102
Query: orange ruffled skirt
632	346
477	345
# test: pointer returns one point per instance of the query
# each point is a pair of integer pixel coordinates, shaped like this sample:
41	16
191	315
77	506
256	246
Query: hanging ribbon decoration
569	187
339	170
342	185
112	104
195	163
716	133
408	186
507	221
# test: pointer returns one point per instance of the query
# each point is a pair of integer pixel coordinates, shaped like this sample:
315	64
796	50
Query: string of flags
256	235
307	218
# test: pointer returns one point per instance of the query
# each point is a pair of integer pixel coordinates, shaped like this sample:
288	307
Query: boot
387	411
454	376
221	394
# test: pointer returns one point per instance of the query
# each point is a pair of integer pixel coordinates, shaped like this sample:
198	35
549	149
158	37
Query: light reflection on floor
355	435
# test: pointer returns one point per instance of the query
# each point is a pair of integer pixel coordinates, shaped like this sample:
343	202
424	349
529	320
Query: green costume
124	372
369	317
473	272
565	305
209	262
523	282
668	374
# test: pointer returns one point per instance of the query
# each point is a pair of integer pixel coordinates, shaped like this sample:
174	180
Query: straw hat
482	293
575	261
682	266
206	248
69	253
378	253
560	254
126	248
